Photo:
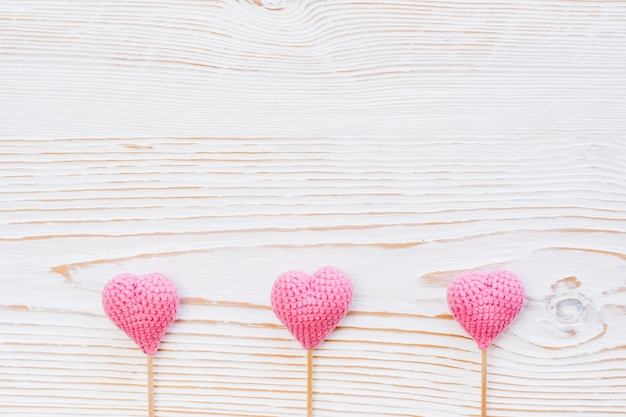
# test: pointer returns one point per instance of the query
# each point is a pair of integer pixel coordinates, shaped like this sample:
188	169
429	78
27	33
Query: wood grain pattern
224	142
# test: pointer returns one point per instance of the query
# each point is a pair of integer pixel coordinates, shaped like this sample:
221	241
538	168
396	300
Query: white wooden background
224	142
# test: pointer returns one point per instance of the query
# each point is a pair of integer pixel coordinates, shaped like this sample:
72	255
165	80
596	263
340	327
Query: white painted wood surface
224	142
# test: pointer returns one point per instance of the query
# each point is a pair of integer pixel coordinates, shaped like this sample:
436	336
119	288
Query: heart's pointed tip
149	344
309	346
149	351
484	344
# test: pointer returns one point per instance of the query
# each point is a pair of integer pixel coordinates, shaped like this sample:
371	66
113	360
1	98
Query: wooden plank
222	143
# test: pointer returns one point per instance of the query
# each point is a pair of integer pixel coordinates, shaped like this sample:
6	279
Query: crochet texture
311	306
143	307
485	304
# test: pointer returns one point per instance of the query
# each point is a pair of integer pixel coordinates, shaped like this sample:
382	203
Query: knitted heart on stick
143	307
485	304
311	306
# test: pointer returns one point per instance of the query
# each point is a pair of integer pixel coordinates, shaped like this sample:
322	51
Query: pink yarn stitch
485	304
311	306
143	307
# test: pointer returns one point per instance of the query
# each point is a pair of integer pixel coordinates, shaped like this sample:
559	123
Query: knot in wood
569	309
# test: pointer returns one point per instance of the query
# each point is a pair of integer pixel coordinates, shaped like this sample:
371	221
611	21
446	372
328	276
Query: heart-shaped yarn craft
484	304
143	307
311	306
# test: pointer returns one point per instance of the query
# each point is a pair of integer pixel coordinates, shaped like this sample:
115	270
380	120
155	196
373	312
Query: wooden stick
309	391
150	387
484	385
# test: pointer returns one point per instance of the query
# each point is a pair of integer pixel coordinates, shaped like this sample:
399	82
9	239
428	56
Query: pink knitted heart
143	307
311	307
485	304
